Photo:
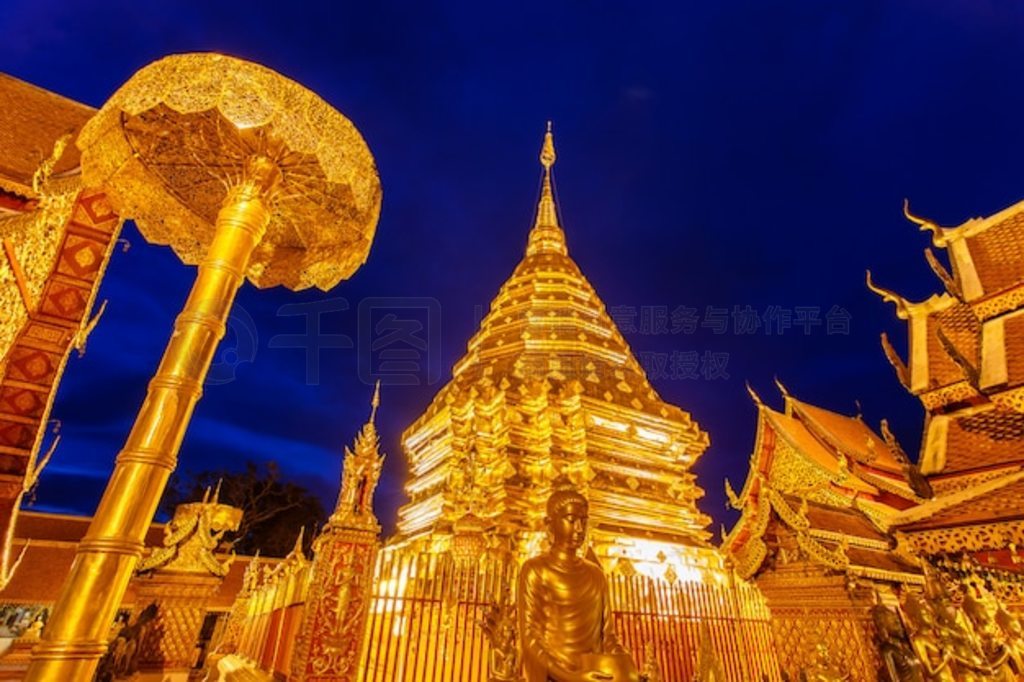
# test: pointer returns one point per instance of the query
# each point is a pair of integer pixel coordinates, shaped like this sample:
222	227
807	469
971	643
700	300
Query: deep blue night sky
710	154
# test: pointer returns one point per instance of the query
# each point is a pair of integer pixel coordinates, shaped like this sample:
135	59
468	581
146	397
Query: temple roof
966	345
829	479
986	254
993	501
52	541
849	435
842	449
990	438
31	121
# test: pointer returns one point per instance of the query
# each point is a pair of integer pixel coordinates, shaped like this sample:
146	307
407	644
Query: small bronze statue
899	662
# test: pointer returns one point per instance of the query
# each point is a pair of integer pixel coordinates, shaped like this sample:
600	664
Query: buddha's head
567	515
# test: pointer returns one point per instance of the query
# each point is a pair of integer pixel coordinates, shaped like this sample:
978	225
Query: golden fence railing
426	612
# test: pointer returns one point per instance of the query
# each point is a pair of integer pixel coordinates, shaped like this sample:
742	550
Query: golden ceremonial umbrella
248	175
175	138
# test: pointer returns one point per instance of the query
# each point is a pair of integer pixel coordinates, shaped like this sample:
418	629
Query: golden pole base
75	635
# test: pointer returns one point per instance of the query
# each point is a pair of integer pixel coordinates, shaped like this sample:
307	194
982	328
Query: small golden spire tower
360	475
332	630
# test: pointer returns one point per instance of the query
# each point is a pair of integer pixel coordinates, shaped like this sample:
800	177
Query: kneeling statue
565	624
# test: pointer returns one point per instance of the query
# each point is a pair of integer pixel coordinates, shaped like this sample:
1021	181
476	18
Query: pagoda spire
546	235
360	474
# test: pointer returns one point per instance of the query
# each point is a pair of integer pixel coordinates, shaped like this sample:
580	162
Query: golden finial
45	170
546	235
938	236
902	306
753	394
947	279
299	539
781	387
731	496
375	402
547	152
216	492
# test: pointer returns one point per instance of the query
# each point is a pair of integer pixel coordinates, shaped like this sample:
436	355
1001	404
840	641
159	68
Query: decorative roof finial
547	236
782	388
938	234
902	306
754	396
375	402
299	540
547	152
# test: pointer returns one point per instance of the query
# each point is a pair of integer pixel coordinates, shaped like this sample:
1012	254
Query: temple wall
808	608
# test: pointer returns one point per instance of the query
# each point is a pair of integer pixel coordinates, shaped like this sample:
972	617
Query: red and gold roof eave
749	498
761	473
811	417
921	517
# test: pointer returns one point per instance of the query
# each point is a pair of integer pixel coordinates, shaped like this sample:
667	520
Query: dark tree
273	510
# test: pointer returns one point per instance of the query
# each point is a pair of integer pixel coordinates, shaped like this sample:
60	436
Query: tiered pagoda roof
966	364
966	347
549	386
822	489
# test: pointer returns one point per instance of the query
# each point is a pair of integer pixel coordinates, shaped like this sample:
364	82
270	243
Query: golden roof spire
375	402
547	236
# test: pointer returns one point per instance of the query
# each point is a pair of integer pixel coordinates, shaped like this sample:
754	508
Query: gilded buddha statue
565	626
956	631
1014	633
981	611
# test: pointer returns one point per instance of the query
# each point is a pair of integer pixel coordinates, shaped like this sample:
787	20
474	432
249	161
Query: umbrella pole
75	636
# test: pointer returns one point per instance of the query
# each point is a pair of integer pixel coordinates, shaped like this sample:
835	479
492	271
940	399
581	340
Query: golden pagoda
548	388
549	385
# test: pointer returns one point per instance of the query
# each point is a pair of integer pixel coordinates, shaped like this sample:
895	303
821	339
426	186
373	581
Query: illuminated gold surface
550	388
256	193
337	599
566	628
